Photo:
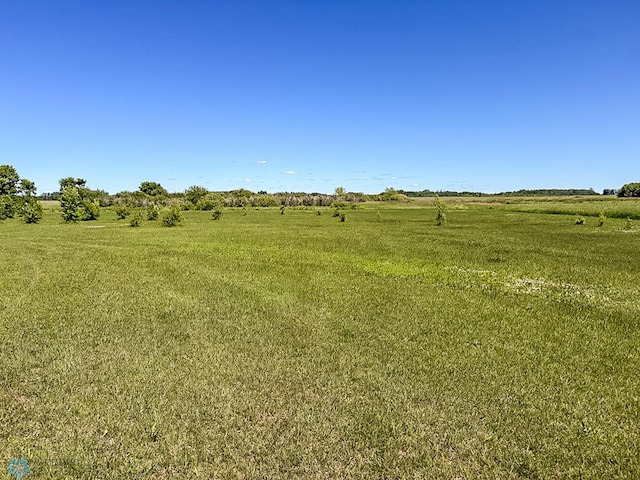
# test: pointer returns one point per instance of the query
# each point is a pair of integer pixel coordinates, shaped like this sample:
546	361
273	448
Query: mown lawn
504	345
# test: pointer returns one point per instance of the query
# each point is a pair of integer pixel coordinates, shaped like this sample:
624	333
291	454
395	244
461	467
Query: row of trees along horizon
18	197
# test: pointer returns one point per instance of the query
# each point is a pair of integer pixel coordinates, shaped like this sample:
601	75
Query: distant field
503	345
50	204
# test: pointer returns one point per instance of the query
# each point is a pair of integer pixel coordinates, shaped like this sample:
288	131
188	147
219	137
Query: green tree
71	182
71	203
31	210
441	216
89	209
195	193
152	189
9	179
80	202
16	196
630	190
27	187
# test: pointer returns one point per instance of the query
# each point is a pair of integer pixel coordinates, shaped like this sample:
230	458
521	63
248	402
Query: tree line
80	203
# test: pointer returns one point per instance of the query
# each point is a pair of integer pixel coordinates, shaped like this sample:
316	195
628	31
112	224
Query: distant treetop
152	189
630	190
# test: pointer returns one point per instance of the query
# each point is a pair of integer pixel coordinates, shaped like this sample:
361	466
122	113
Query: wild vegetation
17	196
630	190
504	344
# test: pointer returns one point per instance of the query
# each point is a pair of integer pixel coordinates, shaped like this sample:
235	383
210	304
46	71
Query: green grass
505	345
582	206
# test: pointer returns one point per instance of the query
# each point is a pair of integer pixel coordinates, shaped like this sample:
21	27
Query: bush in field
122	211
7	207
31	210
601	219
135	219
282	210
153	211
580	221
628	225
216	213
90	210
70	203
441	215
194	193
630	190
173	217
79	202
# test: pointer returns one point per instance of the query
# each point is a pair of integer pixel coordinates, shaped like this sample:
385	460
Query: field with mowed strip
503	344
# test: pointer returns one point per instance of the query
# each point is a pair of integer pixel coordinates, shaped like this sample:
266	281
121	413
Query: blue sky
310	95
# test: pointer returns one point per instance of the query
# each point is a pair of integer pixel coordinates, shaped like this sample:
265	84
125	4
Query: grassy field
504	345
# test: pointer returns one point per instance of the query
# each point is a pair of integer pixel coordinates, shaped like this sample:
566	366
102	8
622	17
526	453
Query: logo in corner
18	467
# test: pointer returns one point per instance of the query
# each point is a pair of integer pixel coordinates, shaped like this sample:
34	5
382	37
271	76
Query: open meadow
505	344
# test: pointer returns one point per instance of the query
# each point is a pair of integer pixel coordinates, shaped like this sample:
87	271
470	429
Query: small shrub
216	214
135	219
281	209
70	203
31	210
441	216
122	211
601	219
580	221
342	216
628	225
153	211
173	217
318	212
89	210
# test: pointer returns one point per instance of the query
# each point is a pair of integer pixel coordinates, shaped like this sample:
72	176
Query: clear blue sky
310	95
